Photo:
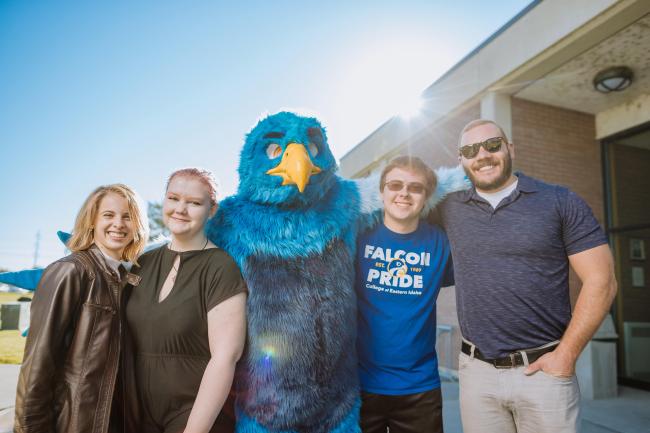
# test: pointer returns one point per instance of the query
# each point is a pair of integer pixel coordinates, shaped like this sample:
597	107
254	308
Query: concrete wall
624	116
437	145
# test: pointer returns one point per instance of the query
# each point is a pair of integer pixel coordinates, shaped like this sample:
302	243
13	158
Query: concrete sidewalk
628	413
8	382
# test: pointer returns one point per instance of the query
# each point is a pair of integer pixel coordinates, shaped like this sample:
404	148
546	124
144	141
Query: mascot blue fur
292	228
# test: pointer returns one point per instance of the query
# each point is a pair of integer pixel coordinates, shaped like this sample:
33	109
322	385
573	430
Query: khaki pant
507	401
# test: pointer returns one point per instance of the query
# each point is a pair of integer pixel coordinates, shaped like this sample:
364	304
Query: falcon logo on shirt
397	267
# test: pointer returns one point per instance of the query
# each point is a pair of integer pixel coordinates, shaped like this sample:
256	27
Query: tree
156	225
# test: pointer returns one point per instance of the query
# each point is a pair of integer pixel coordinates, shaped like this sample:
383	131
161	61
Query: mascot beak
296	167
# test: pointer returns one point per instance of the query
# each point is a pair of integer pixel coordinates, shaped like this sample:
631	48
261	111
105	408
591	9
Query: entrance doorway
627	176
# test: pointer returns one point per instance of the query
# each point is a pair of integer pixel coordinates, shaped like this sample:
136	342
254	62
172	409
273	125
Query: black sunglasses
412	188
491	145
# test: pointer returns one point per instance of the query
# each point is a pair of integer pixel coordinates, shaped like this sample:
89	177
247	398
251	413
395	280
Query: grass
12	297
12	344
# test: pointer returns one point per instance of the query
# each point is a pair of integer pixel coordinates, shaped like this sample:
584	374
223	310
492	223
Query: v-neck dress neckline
168	258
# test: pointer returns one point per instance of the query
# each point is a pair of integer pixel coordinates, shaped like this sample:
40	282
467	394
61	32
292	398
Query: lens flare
268	352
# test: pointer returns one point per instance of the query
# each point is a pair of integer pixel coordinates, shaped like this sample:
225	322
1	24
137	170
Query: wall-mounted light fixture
613	79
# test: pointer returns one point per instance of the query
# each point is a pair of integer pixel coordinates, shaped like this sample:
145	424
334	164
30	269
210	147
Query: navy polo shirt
511	263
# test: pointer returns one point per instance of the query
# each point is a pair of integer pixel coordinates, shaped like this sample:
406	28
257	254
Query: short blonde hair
478	122
83	232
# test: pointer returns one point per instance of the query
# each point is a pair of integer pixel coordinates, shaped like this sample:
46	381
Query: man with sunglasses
513	239
401	265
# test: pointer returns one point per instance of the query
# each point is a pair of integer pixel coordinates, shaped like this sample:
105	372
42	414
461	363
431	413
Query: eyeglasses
491	145
411	188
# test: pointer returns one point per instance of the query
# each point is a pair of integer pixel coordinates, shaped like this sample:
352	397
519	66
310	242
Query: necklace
169	246
174	268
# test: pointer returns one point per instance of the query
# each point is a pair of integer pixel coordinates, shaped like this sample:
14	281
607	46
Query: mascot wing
28	279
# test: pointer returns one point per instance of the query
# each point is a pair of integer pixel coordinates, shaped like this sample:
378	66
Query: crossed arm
595	268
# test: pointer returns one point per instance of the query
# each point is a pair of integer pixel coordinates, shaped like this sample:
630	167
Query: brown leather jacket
72	355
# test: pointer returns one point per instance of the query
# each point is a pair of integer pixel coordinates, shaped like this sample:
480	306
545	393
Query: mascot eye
313	149
315	135
273	151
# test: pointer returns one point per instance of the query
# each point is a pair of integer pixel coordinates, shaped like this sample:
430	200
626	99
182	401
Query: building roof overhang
549	53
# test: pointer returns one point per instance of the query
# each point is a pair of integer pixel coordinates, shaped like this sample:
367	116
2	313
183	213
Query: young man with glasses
401	265
513	239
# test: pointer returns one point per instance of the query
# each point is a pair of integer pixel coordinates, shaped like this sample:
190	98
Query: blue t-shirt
398	277
511	263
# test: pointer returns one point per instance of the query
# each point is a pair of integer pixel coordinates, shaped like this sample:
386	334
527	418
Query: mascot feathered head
286	161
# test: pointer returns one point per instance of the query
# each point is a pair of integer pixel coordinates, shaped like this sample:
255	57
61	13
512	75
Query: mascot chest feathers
301	317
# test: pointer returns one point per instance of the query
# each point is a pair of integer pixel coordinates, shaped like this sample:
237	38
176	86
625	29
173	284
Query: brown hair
205	176
411	163
83	232
478	122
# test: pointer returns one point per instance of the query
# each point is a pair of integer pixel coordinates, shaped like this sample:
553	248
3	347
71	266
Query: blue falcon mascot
292	228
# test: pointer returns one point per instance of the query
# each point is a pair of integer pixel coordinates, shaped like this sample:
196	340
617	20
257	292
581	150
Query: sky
93	93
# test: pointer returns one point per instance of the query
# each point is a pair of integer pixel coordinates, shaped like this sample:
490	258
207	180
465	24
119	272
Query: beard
496	183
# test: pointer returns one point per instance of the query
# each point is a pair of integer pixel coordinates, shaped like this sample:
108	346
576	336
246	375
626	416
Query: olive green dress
170	338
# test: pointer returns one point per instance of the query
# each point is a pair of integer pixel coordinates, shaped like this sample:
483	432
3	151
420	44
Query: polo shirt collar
524	184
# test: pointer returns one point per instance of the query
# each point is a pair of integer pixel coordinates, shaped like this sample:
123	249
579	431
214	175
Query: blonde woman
68	378
187	317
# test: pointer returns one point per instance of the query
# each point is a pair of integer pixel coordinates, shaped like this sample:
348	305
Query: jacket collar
99	258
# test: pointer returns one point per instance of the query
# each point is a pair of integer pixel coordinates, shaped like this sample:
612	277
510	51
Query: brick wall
559	146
